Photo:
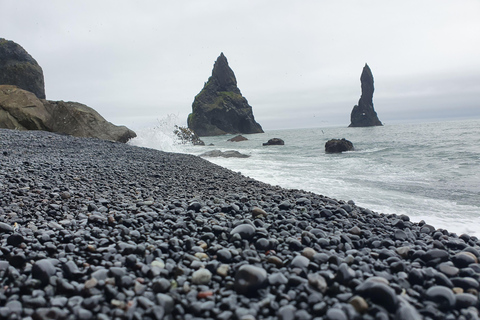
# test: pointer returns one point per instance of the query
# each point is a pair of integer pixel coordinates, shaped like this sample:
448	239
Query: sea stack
363	114
220	108
19	68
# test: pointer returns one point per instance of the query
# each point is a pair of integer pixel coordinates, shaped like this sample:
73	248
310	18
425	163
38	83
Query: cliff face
22	110
363	114
18	68
220	107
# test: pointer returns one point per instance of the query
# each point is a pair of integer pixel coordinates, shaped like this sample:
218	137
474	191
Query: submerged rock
220	107
187	136
338	146
274	142
225	154
20	69
237	139
363	114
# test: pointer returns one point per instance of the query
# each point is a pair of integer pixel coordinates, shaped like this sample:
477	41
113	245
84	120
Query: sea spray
161	136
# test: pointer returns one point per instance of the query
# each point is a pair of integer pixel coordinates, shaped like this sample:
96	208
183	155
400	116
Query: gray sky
298	63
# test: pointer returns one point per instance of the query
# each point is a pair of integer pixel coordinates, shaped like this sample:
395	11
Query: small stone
345	274
465	300
201	276
463	259
246	231
277	278
448	269
336	314
5	228
379	293
403	251
308	252
442	296
258	213
299	261
204	294
355	230
161	285
15	239
275	260
91	283
223	269
359	304
42	270
318	282
249	279
286	312
201	255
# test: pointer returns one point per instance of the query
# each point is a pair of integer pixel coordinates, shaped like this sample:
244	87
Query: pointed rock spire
363	114
220	107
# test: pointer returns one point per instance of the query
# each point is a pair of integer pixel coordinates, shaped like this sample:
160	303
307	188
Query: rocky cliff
18	68
220	107
22	110
363	114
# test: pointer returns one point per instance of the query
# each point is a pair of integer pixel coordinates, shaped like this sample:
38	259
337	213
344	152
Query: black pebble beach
92	229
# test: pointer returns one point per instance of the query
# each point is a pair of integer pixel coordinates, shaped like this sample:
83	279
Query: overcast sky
298	63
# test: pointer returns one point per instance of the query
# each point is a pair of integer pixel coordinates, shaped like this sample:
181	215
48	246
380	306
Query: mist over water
428	171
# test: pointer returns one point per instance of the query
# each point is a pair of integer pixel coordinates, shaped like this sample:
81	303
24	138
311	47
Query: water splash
160	137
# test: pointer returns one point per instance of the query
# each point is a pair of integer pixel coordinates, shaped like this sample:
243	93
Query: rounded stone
463	259
201	276
379	293
359	304
15	239
258	213
246	231
442	296
42	270
249	279
465	300
336	314
224	255
300	262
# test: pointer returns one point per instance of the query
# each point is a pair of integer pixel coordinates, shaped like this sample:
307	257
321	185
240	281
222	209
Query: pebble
201	276
43	270
249	278
119	232
442	296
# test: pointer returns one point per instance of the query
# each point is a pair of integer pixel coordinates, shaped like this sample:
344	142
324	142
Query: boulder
338	146
238	138
274	142
220	108
185	135
225	154
22	110
18	68
363	114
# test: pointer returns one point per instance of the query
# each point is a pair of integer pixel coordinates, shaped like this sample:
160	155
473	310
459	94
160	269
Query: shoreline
114	230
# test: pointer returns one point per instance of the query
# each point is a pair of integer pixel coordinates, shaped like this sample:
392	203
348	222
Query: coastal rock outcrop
338	146
363	114
237	138
22	110
220	108
186	136
274	142
20	69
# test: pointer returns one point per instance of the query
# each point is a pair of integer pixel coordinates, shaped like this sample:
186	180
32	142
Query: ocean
428	171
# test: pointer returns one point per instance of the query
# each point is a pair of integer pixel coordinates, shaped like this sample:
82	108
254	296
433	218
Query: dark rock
338	146
249	279
379	293
237	139
22	110
225	154
465	300
246	231
336	314
18	68
15	239
363	114
43	270
274	142
187	136
442	296
220	107
5	228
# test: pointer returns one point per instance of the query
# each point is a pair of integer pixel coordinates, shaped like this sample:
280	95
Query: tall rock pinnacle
18	68
363	114
220	108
